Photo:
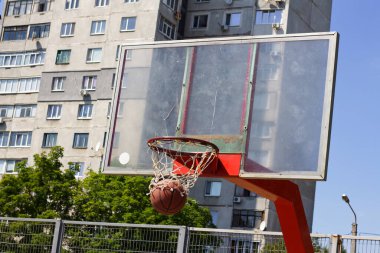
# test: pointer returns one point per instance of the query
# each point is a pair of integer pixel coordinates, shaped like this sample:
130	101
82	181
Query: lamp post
354	229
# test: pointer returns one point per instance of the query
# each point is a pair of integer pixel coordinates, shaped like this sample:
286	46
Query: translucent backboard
266	98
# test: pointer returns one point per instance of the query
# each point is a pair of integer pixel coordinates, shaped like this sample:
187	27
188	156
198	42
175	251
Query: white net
179	159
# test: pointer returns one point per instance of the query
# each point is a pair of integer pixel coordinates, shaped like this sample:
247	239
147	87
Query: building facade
207	18
58	61
58	64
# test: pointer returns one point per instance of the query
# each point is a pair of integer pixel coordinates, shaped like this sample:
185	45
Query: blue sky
354	167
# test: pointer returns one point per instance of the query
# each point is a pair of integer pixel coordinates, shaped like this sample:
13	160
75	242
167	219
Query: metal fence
43	235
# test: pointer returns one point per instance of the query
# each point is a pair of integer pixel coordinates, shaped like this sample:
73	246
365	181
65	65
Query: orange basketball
168	197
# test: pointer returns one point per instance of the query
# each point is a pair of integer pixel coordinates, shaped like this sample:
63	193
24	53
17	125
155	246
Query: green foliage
26	237
42	190
124	199
276	245
45	190
279	246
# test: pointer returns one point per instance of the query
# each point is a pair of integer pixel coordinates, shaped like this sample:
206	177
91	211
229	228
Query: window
172	4
80	140
200	21
20	139
71	4
25	111
104	139
267	72
22	59
98	27
34	58
9	85
22	85
85	111
89	83
6	111
109	109
15	32
28	85
128	54
268	17
49	140
124	81
101	3
19	8
166	28
54	112
78	167
57	84
131	1
8	166
116	140
260	156
214	217
262	129
113	80
128	24
213	188
42	6
117	52
246	218
63	57
39	31
241	192
261	101
4	138
94	55
233	19
120	111
67	29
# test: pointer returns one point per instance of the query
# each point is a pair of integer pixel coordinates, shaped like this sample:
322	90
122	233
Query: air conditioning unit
224	27
276	26
83	93
2	121
236	200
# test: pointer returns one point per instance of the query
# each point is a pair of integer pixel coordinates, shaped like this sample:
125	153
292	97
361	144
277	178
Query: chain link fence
21	235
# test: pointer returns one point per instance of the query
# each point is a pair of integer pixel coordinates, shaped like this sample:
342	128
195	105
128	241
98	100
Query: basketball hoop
180	159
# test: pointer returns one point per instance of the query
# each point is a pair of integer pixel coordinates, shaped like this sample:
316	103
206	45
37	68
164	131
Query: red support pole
287	199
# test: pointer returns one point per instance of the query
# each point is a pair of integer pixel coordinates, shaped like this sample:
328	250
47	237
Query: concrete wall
217	11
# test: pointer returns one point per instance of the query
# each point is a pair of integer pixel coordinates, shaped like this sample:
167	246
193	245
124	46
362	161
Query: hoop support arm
287	199
284	193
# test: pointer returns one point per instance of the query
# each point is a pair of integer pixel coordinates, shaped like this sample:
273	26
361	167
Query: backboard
266	102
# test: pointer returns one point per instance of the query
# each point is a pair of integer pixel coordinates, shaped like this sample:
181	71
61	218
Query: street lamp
354	230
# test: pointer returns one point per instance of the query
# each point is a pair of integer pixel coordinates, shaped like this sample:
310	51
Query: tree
46	190
125	199
42	190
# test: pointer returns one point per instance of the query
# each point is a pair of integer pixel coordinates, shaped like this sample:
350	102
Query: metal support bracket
287	199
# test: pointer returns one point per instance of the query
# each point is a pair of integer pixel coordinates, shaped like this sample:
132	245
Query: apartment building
57	65
232	206
58	61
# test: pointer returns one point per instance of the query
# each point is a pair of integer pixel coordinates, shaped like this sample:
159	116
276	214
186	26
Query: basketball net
179	159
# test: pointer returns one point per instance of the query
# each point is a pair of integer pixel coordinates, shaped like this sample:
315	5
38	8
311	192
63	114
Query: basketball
168	197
